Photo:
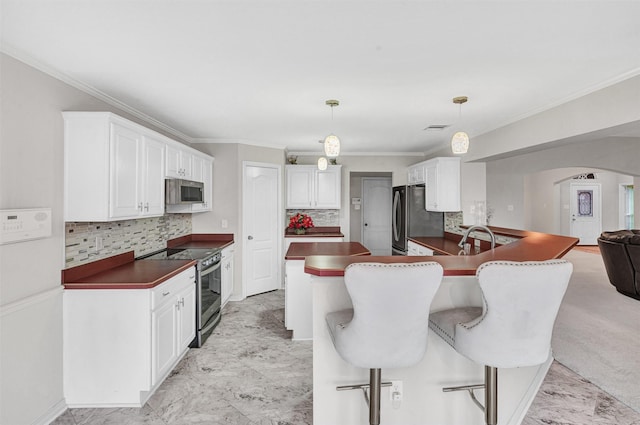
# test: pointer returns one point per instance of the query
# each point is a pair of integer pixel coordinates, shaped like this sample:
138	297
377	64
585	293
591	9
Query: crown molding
90	90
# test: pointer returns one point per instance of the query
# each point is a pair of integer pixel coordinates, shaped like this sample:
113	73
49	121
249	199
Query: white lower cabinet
414	249
120	344
227	273
297	292
174	327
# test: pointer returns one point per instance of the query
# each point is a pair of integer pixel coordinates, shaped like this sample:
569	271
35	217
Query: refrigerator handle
396	200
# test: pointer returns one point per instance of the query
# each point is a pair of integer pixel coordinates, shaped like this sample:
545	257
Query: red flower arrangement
300	223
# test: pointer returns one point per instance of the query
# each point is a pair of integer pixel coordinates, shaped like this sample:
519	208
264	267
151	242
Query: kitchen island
298	304
423	402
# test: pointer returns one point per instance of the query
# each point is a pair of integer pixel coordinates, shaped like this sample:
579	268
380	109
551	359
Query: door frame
362	210
279	225
597	205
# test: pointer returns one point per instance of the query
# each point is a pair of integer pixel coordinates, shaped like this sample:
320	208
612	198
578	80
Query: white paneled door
586	217
376	215
262	227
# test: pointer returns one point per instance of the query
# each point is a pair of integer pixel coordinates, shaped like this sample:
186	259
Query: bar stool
389	322
513	327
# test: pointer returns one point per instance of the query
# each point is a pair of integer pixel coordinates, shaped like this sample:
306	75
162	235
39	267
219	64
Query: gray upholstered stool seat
513	328
389	322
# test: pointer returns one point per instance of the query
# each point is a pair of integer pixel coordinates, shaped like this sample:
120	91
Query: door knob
366	224
250	238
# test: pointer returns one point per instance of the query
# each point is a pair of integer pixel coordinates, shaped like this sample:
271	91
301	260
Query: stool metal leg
374	396
491	395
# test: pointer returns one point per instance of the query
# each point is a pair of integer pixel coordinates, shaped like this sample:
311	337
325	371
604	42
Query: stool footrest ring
359	386
470	389
363	387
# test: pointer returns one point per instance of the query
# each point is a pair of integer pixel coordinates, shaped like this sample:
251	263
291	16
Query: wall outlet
395	391
224	224
99	244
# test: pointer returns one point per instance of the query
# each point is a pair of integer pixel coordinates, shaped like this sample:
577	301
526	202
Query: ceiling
259	72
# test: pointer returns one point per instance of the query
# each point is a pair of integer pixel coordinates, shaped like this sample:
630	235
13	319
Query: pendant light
460	140
322	163
331	142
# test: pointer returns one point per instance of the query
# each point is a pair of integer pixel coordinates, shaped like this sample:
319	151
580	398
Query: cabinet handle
146	206
164	294
140	206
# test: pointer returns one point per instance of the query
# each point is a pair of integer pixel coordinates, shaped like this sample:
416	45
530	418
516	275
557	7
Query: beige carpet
597	333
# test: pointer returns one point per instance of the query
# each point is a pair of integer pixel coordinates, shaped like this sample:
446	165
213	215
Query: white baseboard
50	415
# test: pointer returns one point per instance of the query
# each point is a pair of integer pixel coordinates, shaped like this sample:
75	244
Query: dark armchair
621	255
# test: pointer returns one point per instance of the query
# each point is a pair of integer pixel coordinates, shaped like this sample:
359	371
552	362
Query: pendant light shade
322	163
332	146
331	142
460	143
460	140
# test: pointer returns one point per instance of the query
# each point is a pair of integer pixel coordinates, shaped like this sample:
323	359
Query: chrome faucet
477	227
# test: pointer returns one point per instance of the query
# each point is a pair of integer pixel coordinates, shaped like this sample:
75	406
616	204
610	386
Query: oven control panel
24	225
215	258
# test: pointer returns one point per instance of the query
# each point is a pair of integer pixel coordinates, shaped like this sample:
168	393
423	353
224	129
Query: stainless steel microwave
180	192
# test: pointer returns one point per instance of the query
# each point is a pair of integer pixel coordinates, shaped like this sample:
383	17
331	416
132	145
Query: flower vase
301	231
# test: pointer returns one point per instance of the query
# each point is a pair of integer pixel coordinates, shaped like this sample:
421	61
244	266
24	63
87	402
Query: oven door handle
212	268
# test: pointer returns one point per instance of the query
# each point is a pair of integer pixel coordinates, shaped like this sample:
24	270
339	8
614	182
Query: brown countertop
532	246
316	232
123	272
202	240
301	250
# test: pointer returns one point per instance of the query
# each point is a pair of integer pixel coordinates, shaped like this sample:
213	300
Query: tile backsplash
319	217
143	236
453	221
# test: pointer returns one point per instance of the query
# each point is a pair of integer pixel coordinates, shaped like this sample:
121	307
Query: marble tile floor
249	372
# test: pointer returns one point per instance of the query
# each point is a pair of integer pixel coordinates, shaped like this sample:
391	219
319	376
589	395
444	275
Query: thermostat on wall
24	224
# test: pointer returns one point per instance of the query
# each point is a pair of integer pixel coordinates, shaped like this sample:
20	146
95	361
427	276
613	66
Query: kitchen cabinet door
202	172
137	180
126	176
328	188
186	318
152	177
164	323
416	174
300	186
179	162
442	184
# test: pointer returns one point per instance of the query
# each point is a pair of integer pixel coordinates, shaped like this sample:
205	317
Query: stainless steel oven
210	285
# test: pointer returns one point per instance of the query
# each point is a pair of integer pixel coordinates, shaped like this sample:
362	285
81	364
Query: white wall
227	195
31	175
506	177
606	112
547	198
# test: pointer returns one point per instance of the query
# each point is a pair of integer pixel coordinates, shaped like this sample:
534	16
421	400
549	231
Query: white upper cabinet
201	171
310	188
416	174
179	162
442	184
137	181
113	170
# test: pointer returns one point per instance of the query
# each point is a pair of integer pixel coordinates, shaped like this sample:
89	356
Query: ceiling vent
437	127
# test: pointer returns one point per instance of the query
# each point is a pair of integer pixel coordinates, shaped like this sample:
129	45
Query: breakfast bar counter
423	402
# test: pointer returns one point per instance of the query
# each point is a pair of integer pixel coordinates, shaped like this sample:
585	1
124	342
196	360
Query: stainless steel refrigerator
411	219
